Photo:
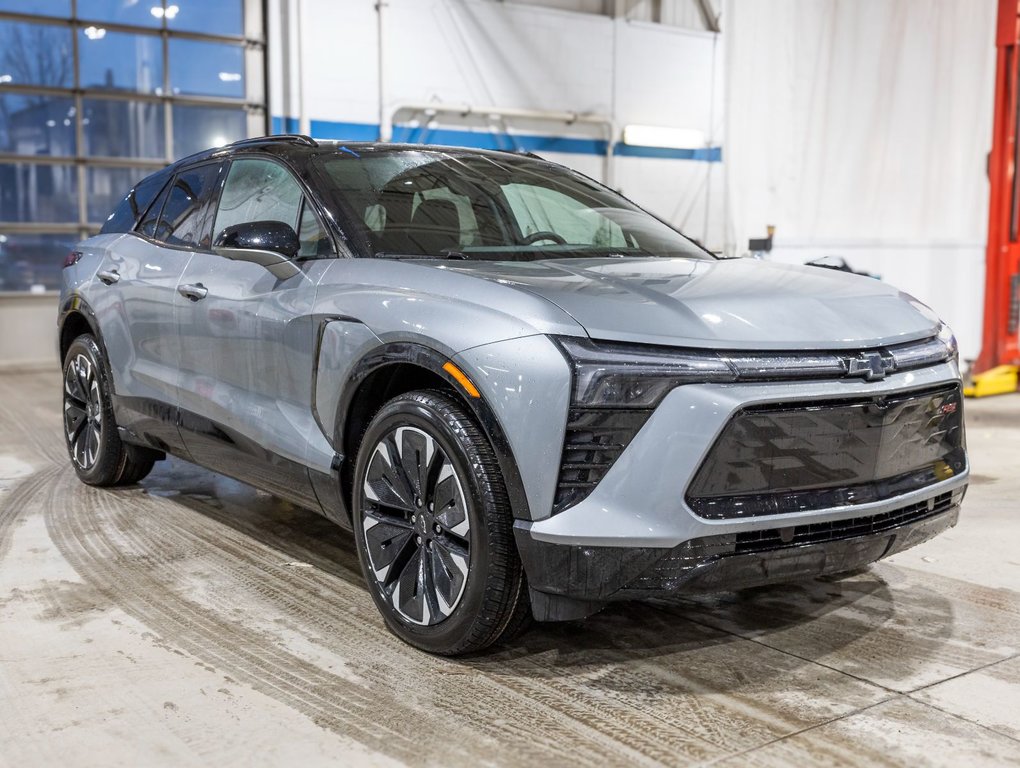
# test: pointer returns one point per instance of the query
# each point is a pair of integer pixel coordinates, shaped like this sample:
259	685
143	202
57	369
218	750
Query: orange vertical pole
1001	337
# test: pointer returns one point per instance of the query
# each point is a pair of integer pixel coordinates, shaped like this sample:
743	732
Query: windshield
424	203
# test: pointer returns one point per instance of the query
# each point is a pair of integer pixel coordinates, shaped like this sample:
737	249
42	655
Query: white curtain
859	128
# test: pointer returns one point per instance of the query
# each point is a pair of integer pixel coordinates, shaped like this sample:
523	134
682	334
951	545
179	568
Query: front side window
436	204
258	190
261	190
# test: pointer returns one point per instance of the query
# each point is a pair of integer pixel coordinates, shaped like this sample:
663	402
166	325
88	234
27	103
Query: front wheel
434	529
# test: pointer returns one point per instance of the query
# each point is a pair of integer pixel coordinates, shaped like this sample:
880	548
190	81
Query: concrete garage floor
194	621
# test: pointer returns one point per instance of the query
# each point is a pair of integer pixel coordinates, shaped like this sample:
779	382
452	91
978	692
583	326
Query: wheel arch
75	318
399	367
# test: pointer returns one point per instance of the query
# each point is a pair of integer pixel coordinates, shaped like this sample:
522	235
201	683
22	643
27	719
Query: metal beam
708	15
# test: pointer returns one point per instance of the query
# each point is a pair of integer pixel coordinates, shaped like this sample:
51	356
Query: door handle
109	276
195	292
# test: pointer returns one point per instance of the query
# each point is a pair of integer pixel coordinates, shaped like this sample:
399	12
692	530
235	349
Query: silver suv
525	395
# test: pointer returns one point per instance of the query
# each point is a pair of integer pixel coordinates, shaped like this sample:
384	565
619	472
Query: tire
435	536
97	453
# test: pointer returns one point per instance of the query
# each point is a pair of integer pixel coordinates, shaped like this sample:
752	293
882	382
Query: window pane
223	17
39	7
139	14
33	262
35	192
315	243
198	128
206	69
35	54
258	190
36	125
115	128
106	187
540	209
147	226
120	61
184	220
127	213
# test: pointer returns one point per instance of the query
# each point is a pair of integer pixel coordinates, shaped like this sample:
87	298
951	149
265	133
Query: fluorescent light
5	78
661	136
170	12
230	77
94	33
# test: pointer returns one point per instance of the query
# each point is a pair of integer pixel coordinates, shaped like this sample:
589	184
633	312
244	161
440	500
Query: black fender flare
422	356
76	305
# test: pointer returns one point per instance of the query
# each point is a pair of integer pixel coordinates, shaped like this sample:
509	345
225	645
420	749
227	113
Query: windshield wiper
444	254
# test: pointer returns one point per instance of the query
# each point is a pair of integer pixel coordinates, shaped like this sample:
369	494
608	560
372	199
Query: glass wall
96	94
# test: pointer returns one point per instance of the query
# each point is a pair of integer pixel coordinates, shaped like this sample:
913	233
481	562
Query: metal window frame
253	39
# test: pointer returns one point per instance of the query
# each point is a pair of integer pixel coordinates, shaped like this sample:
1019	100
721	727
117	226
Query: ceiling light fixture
661	136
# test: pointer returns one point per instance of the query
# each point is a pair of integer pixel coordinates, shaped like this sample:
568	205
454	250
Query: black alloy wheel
98	454
417	531
83	411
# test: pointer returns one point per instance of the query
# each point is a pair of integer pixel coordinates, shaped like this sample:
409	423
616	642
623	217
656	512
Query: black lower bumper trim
732	561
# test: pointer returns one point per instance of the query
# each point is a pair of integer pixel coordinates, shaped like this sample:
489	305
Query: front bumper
636	536
574	581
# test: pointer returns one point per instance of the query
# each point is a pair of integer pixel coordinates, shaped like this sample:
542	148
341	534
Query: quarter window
315	243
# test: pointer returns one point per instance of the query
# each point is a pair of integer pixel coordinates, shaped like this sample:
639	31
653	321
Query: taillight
72	258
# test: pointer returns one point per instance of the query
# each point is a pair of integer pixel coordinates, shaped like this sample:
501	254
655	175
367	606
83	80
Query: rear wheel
98	455
434	529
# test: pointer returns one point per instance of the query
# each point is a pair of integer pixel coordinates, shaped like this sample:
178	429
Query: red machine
1000	348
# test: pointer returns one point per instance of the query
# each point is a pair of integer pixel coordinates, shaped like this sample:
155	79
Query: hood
724	304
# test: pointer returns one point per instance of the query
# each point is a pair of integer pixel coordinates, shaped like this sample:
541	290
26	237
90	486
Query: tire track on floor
38	487
42	406
645	736
128	578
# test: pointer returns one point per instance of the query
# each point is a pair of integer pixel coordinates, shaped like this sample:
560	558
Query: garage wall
483	53
860	129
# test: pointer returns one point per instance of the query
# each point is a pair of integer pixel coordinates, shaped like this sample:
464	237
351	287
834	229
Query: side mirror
271	244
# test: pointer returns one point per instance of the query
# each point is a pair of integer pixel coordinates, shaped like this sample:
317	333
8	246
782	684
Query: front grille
595	438
669	572
776	460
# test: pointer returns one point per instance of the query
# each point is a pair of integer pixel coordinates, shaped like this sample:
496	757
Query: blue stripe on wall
708	155
330	129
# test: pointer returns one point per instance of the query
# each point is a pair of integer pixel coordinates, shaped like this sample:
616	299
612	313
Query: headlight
610	375
948	338
616	375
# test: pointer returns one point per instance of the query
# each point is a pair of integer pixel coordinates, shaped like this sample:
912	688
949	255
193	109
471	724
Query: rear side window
147	226
184	219
130	209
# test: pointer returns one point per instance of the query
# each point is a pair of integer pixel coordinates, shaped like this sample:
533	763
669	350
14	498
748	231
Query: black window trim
171	181
306	196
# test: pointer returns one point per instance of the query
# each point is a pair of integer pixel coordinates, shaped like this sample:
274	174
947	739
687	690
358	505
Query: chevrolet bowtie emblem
870	366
